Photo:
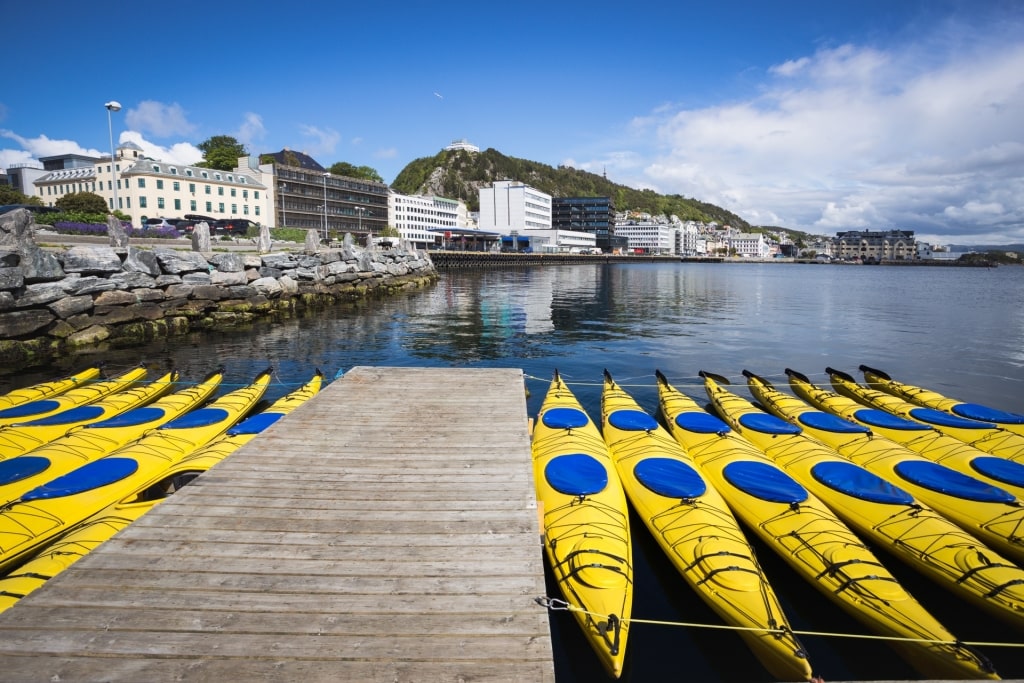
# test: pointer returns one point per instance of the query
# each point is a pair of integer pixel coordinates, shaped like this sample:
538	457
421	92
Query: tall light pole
326	240
112	106
359	212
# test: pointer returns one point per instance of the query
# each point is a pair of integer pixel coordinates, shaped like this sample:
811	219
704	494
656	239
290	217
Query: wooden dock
385	531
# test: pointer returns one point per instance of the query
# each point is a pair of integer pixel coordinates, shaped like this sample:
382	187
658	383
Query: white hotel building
416	216
509	206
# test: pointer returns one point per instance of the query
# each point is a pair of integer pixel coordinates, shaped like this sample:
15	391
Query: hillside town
290	189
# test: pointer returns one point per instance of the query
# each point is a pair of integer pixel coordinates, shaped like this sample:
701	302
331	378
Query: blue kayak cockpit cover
565	418
699	422
764	481
670	478
29	409
943	419
132	418
939	478
576	474
90	476
202	417
64	417
975	411
827	422
855	481
22	467
767	424
1000	469
884	420
255	424
632	421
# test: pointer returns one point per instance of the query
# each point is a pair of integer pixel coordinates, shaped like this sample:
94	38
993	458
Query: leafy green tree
221	152
362	172
82	202
8	195
389	231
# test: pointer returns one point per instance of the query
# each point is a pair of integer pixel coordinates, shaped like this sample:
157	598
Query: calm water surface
959	331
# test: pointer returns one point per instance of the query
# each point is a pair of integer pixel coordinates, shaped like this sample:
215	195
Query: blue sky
819	116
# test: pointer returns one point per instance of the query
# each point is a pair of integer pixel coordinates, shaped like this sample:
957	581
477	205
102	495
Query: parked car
191	220
234	227
155	223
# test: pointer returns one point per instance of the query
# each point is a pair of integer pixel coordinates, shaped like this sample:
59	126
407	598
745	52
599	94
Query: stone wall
55	302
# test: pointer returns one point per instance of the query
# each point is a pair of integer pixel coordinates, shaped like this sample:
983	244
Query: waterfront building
422	219
749	245
508	206
595	215
305	195
147	188
555	241
876	246
689	241
647	235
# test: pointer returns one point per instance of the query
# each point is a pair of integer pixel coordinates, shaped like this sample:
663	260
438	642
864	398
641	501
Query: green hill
459	174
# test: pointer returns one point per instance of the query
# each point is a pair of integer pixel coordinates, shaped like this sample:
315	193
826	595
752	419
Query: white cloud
386	153
183	153
43	146
159	119
324	140
251	130
857	137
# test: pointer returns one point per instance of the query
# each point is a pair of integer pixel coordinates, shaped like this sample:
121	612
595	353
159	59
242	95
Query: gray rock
168	280
196	278
11	278
229	278
180	262
18	323
116	232
116	298
89	285
228	263
141	261
201	237
267	286
133	280
91	260
41	293
279	260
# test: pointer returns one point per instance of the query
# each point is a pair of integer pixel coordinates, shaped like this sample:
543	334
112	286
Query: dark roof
287	157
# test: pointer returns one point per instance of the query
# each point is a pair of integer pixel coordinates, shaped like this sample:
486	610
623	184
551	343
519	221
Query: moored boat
86	536
877	379
944	547
697	532
585	520
21	437
924	439
984	435
44	390
72	398
879	511
38	516
94	441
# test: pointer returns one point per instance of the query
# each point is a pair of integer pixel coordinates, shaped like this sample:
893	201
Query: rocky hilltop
459	174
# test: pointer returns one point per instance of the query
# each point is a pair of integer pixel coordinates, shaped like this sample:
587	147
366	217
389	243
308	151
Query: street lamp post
360	210
112	106
326	239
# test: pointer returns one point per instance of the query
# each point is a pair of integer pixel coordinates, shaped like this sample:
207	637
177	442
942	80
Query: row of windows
202	174
176	186
125	203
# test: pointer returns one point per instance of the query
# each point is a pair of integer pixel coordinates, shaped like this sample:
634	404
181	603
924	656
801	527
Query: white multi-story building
462	145
750	245
648	236
508	206
420	218
158	189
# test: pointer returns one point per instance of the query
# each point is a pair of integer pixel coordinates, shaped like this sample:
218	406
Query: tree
221	152
8	195
362	172
82	202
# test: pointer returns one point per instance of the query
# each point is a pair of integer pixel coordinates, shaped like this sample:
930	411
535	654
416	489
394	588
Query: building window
142	202
160	203
192	205
233	192
256	195
209	207
234	209
159	184
177	205
188	172
173	170
177	186
208	190
220	207
220	191
216	176
204	174
256	210
192	188
245	194
142	182
156	169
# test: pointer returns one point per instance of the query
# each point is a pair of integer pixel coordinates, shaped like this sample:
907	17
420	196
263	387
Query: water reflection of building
868	246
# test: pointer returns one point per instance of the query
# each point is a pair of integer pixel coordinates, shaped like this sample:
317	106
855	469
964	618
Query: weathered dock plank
384	531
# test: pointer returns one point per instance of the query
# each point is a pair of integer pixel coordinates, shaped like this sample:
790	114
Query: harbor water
959	331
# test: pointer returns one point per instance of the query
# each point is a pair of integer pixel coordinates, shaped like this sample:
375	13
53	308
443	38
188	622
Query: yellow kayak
83	538
986	436
694	527
585	522
21	437
40	515
92	442
876	509
876	379
77	396
44	390
945	548
924	439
